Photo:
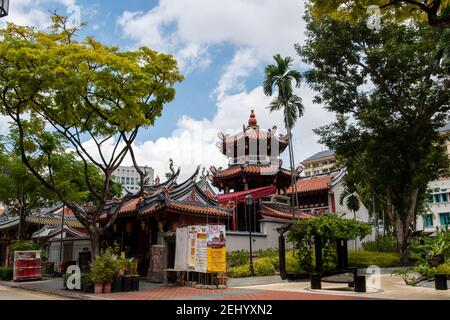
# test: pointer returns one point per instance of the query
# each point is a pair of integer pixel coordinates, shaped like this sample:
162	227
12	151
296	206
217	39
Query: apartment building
320	163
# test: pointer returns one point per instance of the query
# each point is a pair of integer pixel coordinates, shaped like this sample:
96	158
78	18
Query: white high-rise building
129	178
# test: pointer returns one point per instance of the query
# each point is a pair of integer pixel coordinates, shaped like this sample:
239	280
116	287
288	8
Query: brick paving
187	293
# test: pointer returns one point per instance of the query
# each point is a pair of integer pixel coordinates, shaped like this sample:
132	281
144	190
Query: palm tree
351	199
281	77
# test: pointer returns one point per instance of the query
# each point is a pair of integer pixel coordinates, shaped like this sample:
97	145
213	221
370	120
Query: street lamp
4	8
249	204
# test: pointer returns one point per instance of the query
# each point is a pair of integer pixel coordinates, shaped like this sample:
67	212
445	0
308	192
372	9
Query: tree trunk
401	231
21	233
403	222
95	241
293	182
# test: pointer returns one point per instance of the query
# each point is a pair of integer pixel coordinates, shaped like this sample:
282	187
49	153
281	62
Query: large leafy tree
434	12
281	77
390	92
20	191
23	193
87	92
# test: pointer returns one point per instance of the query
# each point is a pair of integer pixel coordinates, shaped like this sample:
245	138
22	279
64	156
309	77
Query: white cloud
257	29
33	12
243	62
266	26
194	141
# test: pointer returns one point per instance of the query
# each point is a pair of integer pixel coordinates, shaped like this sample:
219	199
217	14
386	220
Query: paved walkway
390	287
8	293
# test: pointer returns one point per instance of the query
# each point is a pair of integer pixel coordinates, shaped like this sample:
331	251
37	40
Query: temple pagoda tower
254	168
253	160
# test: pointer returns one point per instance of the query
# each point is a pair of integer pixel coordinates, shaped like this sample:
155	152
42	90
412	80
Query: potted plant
102	272
120	269
134	275
440	278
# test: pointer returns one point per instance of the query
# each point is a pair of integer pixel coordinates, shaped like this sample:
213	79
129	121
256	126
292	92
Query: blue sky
222	47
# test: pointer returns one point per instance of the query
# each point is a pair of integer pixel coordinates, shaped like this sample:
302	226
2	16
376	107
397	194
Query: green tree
350	198
281	77
23	193
89	93
390	92
20	191
435	12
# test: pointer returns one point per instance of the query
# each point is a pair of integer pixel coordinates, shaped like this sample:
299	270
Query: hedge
263	267
6	274
241	271
363	259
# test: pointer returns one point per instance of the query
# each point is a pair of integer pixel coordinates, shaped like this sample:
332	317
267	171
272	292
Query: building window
436	198
123	180
128	180
445	218
444	197
428	221
132	181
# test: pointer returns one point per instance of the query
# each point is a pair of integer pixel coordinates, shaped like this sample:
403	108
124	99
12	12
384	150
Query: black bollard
360	283
316	280
282	256
440	282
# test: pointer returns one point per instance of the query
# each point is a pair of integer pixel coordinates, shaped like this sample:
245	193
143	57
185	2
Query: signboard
192	237
201	248
201	251
217	254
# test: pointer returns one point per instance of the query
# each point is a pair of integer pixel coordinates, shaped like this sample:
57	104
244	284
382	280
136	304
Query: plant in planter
441	276
102	272
134	274
120	270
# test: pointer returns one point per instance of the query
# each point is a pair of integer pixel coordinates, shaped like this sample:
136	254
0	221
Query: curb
252	281
61	293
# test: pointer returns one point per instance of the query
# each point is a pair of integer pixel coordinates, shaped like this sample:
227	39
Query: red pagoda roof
252	132
312	184
267	212
250	169
187	197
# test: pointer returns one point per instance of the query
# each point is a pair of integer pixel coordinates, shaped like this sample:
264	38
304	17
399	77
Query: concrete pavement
389	287
8	293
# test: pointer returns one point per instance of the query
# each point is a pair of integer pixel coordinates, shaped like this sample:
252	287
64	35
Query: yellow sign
217	253
217	258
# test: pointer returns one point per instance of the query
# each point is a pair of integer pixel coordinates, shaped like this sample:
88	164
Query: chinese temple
47	227
145	225
255	169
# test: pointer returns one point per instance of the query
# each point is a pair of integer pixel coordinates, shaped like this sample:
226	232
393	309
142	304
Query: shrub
363	259
443	269
292	263
264	267
381	244
23	245
239	271
103	268
425	270
85	282
268	253
6	274
237	258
